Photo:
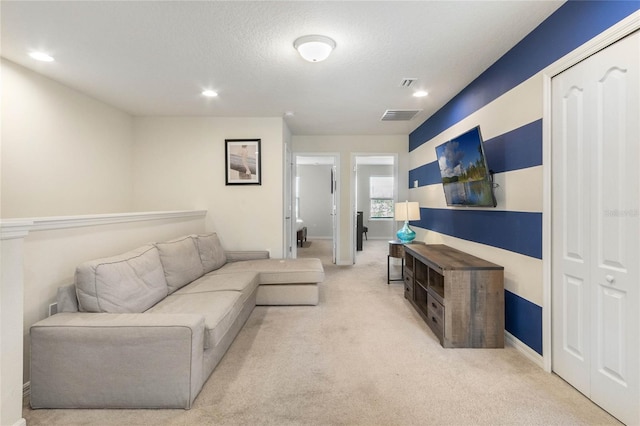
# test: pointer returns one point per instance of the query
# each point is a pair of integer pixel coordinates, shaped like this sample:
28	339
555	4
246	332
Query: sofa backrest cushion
181	262
67	299
211	252
130	282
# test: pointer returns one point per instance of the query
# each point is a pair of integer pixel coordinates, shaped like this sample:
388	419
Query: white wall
63	153
179	163
345	146
11	320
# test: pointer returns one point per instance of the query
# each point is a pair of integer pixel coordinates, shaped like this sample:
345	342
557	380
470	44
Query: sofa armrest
236	256
95	360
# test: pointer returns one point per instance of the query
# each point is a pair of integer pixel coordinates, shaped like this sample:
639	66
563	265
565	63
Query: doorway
595	326
315	204
375	189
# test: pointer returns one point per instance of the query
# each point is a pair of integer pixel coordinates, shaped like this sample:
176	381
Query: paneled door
595	227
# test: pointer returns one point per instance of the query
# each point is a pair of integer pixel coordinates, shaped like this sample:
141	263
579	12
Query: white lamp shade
314	48
408	210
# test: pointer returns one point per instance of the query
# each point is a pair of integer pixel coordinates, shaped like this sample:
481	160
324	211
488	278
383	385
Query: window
381	197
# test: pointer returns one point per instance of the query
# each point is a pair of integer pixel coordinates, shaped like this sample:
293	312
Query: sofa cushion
288	294
241	255
212	255
279	271
244	282
181	262
219	308
130	282
67	299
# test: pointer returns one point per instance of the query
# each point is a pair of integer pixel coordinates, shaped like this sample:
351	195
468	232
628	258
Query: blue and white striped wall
506	101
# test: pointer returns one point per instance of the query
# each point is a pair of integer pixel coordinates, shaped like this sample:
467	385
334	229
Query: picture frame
242	162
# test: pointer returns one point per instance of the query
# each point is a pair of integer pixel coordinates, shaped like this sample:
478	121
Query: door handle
610	279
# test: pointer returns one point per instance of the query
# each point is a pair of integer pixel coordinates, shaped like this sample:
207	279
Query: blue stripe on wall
573	24
523	320
518	149
519	232
427	174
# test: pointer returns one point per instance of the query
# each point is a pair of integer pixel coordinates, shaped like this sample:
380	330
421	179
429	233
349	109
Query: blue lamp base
406	234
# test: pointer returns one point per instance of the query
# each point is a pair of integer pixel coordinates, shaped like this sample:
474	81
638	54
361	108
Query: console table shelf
460	296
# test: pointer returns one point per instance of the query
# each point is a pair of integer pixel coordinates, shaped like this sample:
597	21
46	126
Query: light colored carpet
362	357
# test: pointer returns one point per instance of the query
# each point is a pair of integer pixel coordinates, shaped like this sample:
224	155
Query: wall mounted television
466	179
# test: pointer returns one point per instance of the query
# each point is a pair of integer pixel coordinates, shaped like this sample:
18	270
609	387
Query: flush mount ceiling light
314	48
209	93
420	94
41	56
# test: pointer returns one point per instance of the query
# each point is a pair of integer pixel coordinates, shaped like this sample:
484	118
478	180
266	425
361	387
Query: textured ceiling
153	58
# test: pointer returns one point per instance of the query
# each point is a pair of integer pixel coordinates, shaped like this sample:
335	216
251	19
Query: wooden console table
460	296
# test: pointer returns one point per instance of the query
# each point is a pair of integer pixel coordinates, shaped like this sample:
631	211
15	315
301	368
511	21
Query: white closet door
596	232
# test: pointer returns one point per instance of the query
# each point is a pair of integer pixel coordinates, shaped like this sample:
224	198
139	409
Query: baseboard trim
21	422
525	350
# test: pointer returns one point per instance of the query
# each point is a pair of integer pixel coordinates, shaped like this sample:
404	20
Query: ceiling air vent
399	114
407	82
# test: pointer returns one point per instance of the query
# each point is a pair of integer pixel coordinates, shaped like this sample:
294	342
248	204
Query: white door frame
353	195
287	208
604	39
336	237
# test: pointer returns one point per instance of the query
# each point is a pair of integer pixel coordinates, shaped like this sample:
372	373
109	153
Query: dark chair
364	231
302	235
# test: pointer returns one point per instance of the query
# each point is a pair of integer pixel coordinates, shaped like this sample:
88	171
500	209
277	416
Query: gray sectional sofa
146	328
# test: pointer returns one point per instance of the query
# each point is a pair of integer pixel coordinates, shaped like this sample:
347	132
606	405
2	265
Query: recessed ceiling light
41	56
209	93
289	114
420	94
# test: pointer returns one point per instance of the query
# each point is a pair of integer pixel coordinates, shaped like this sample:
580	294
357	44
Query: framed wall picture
242	162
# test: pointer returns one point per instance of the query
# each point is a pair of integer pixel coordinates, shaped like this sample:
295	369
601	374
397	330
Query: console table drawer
435	308
408	288
435	316
408	283
408	272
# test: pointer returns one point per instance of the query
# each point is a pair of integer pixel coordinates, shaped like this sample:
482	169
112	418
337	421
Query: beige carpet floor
362	357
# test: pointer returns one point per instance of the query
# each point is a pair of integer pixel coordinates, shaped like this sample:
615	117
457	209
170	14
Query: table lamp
405	212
